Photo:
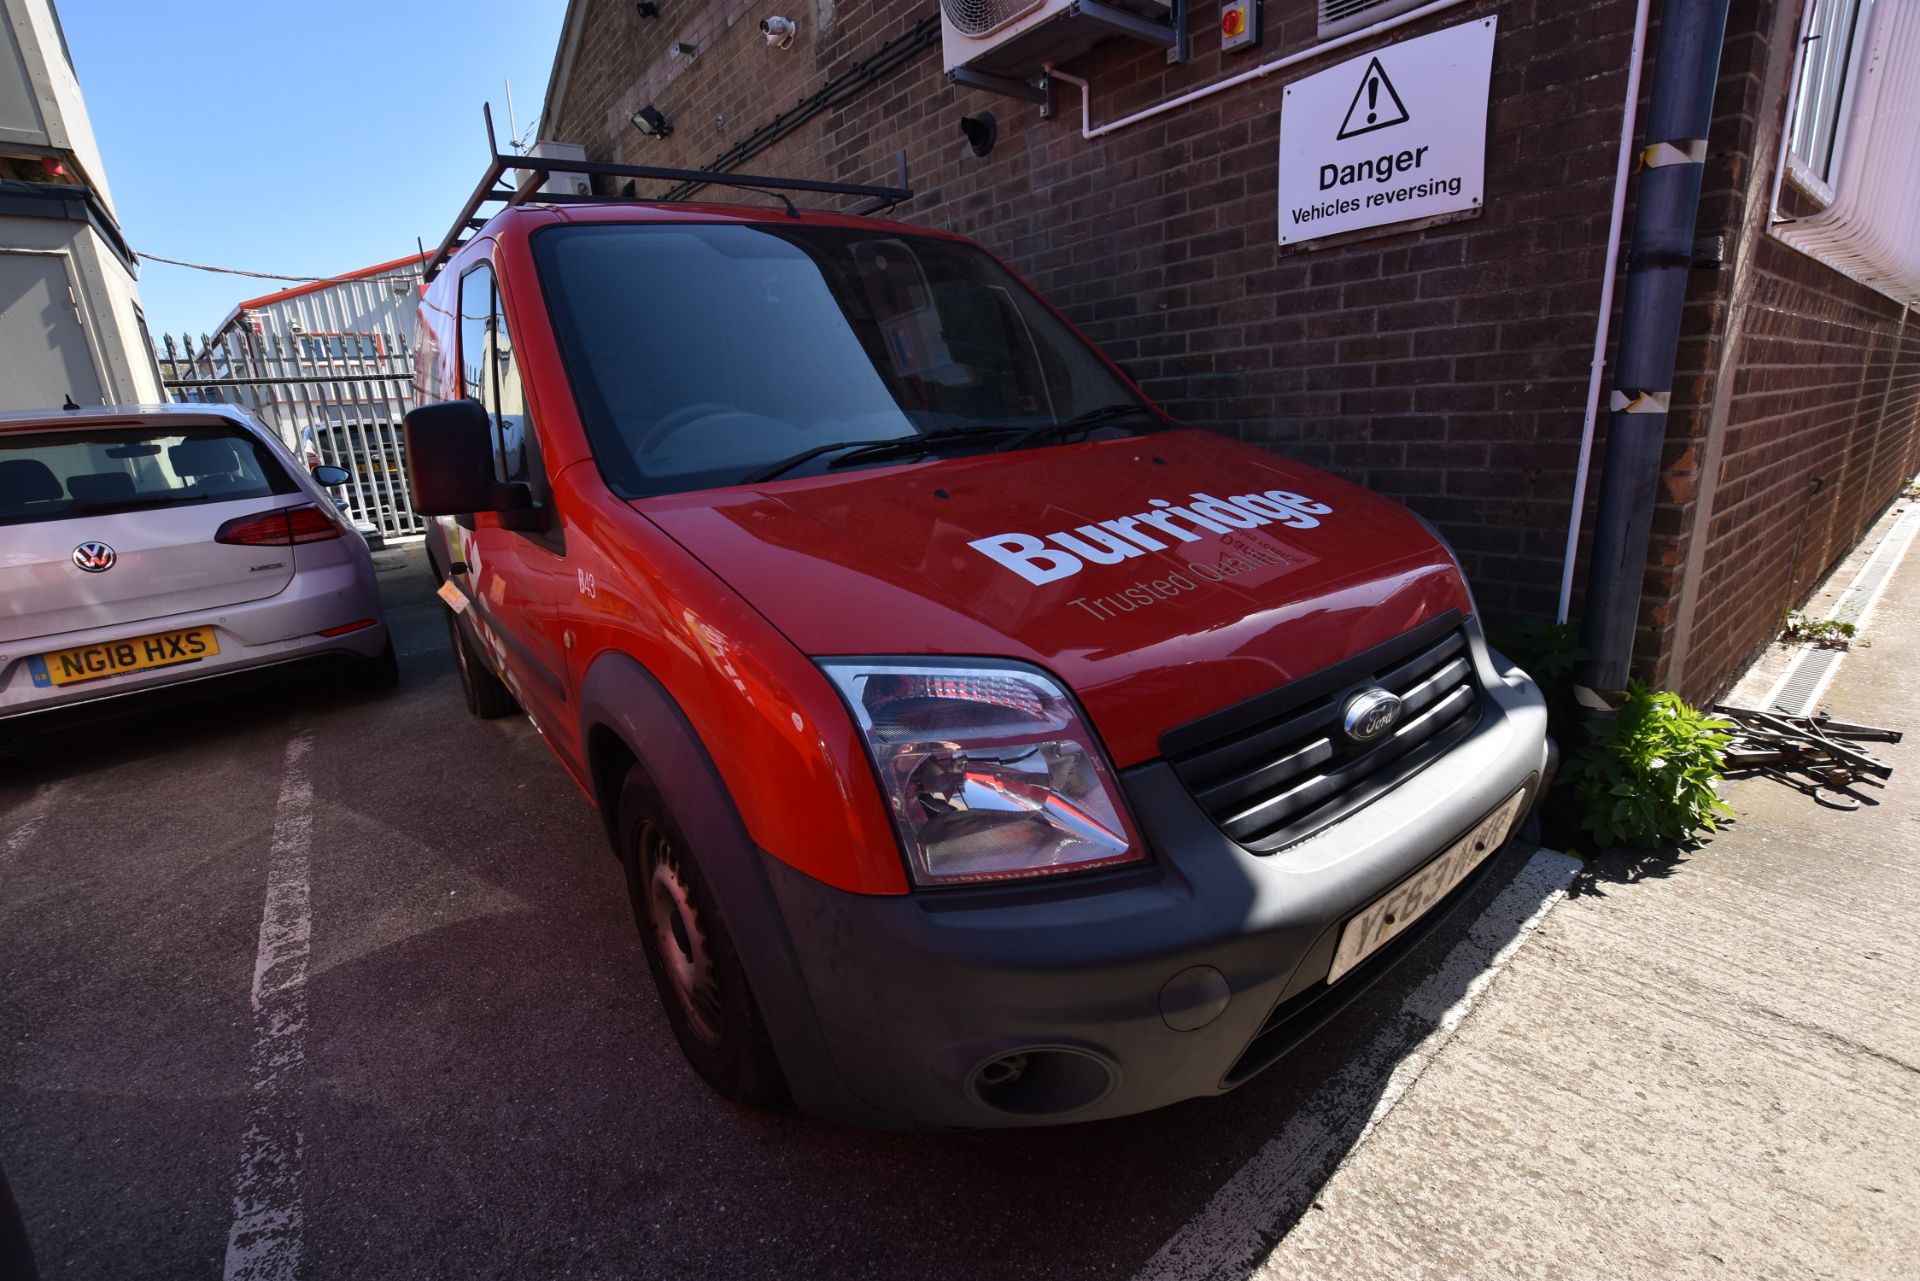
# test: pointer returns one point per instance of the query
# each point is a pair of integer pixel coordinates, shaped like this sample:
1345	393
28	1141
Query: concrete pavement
1704	1066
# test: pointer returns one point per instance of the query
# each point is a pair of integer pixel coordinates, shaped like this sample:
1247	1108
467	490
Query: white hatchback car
148	548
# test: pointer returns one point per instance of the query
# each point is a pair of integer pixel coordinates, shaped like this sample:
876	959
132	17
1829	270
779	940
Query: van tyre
487	695
696	971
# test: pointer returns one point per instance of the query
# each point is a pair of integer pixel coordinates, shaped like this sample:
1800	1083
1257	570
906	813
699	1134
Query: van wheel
702	985
487	696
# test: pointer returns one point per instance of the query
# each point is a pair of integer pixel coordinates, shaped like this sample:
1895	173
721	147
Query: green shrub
1645	777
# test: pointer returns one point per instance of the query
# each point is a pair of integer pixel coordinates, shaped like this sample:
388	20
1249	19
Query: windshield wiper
913	446
1079	423
871	450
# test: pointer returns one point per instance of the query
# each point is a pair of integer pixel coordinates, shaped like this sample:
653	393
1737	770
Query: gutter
67	202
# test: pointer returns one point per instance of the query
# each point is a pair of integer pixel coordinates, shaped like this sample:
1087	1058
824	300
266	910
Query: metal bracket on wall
1170	35
1007	86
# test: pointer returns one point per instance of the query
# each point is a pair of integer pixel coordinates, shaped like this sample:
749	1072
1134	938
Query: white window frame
1831	61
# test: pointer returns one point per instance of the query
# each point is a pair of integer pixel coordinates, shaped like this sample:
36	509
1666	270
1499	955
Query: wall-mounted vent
984	17
1337	17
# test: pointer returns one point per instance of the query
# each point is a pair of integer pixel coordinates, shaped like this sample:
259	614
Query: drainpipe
1597	367
1686	73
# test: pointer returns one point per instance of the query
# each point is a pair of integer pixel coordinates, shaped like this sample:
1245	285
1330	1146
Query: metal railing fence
345	410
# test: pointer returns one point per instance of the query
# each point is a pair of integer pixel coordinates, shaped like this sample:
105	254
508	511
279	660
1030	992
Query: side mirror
330	476
450	462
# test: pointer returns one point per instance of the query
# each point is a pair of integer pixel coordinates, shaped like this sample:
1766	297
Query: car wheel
487	695
702	986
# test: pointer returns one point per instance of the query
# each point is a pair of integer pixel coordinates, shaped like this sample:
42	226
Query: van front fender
625	711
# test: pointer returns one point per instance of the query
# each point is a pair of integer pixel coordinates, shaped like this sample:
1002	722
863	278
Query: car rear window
93	471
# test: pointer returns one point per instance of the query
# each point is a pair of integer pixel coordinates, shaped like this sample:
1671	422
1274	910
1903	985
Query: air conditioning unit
1014	39
558	182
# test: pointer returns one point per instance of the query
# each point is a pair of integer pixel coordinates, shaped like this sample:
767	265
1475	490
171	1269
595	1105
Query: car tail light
280	528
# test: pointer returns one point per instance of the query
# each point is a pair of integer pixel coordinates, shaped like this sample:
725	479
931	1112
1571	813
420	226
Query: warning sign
1373	114
1390	137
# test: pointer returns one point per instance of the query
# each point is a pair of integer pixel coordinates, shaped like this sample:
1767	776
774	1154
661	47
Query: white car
149	548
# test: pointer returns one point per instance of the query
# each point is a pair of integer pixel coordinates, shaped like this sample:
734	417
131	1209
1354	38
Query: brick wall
1445	366
1820	436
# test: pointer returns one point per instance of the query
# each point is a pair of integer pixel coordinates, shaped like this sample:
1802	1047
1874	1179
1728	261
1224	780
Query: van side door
515	561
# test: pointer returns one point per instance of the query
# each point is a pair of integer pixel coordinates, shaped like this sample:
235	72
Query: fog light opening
1042	1082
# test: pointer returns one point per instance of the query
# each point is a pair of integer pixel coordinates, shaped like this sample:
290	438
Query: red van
983	747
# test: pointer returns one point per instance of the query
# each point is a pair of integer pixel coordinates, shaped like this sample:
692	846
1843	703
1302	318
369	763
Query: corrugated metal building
361	315
327	365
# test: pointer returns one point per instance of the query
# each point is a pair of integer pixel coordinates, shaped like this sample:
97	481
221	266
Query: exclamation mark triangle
1375	104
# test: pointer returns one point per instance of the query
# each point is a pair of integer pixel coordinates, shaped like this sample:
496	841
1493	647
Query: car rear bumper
273	632
921	998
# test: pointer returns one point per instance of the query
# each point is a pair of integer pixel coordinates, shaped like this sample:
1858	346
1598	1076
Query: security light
649	121
647	10
682	49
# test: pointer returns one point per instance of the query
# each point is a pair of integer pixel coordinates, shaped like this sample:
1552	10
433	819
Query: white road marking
18	839
1229	1236
264	1241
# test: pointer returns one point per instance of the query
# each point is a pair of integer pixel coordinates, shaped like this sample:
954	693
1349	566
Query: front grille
1279	767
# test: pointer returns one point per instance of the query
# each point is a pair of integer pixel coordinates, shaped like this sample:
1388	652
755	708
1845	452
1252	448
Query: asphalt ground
485	1085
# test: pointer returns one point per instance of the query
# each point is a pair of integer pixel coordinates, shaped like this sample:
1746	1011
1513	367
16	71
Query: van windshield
707	355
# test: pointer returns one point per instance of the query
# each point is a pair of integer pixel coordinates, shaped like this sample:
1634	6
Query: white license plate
1387	916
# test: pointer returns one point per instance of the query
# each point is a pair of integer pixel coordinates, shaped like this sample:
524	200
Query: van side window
491	375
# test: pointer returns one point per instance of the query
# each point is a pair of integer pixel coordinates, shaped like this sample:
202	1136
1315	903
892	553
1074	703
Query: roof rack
873	199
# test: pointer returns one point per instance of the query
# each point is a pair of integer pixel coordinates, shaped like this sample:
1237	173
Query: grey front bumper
915	994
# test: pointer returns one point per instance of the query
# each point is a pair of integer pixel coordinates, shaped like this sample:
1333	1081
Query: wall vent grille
1337	17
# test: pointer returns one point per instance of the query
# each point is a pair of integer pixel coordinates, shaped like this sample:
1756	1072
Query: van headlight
989	770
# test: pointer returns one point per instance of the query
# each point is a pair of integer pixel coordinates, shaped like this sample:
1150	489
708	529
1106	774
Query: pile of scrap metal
1816	754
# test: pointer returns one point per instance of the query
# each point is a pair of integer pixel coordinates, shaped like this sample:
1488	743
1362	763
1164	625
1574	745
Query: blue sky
299	139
